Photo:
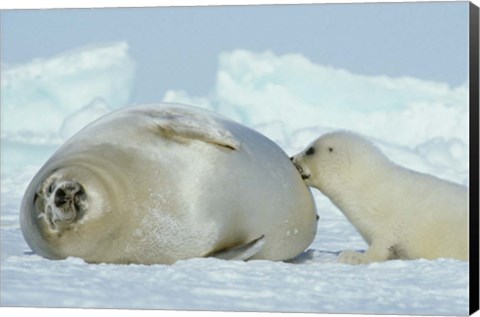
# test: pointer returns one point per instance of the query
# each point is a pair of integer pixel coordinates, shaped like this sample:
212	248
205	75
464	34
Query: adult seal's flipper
242	252
182	124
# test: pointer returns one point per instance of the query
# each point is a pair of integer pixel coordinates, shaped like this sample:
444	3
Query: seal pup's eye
310	151
330	149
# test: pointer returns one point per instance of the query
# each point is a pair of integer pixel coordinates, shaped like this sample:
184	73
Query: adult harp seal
160	183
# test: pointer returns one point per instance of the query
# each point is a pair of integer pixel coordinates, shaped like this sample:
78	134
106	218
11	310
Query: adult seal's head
66	209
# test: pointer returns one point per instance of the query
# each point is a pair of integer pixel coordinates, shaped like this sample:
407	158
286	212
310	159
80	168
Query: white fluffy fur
401	214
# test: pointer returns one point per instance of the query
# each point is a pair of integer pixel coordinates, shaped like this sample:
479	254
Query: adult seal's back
160	183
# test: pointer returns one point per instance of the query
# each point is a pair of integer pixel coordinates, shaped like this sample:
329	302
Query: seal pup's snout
299	168
305	176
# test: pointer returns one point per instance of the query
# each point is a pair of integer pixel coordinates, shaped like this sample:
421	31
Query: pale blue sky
178	48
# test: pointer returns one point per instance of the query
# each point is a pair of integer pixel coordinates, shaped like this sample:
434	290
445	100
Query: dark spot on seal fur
397	252
330	149
310	151
227	146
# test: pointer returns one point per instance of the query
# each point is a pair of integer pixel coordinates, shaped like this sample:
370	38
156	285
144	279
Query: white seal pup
160	183
401	214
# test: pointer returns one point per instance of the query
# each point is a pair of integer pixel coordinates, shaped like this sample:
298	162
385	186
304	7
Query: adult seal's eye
310	151
50	188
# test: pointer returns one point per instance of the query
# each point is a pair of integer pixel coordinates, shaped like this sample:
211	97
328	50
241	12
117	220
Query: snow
419	124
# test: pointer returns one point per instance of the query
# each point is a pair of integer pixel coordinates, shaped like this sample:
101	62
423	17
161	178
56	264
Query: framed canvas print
271	157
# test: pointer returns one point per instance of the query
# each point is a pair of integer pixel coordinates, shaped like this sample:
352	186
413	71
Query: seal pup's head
336	160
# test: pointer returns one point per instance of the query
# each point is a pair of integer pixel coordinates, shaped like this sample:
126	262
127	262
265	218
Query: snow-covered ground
419	124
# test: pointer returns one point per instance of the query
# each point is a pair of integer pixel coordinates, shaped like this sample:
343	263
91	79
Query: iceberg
58	86
47	100
259	88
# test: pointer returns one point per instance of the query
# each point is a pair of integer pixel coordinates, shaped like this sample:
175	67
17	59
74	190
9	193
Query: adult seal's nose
60	197
67	192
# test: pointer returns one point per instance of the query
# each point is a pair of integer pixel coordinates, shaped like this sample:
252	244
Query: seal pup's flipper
242	252
181	124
